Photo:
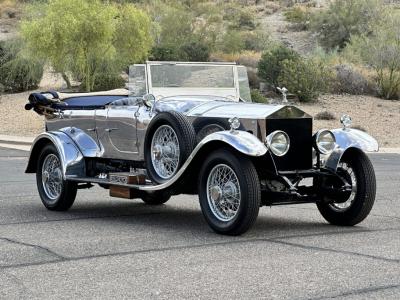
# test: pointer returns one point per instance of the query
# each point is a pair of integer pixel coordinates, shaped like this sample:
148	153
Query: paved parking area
111	248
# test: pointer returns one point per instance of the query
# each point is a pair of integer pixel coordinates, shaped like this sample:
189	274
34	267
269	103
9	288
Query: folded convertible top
43	102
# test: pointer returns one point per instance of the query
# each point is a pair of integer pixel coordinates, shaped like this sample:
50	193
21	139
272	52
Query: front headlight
325	141
278	142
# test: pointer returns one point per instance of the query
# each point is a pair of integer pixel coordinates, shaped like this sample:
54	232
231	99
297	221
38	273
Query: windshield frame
232	93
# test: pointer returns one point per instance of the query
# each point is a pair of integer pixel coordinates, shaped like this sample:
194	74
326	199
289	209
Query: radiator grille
299	156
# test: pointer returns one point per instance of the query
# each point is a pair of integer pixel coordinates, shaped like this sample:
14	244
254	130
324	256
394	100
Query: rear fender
347	139
72	160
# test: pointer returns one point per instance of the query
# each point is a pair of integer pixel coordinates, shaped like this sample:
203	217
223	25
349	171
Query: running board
105	181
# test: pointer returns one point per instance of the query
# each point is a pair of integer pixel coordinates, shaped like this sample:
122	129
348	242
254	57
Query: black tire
68	190
186	139
365	195
250	192
155	198
206	126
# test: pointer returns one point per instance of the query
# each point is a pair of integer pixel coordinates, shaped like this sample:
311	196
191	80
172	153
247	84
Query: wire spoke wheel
348	173
165	151
223	192
52	180
357	170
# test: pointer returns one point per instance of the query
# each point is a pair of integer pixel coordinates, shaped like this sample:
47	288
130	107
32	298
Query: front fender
347	139
242	141
72	162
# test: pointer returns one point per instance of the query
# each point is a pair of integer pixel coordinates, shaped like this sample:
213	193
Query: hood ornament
283	91
346	121
234	122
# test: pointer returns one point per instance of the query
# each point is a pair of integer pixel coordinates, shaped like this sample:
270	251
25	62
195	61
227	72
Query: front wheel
357	170
229	192
54	191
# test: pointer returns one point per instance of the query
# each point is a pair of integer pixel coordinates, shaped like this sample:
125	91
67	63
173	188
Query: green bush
18	72
231	42
271	63
196	51
108	78
165	53
307	78
257	97
345	18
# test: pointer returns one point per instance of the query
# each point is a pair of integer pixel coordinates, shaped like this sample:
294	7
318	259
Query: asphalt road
111	248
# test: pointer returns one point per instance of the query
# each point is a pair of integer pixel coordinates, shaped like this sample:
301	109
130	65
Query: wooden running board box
125	178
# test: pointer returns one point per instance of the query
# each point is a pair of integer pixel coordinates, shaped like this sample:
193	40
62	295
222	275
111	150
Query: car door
120	130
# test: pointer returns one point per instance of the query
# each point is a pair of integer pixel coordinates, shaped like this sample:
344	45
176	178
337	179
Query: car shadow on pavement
183	220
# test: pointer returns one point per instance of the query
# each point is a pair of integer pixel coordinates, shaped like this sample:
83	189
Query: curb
16	140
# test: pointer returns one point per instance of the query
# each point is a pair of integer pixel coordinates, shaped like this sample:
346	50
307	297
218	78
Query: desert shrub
18	72
249	59
325	115
254	81
257	97
381	51
350	81
344	18
256	40
246	20
271	63
307	78
59	31
299	16
231	42
106	81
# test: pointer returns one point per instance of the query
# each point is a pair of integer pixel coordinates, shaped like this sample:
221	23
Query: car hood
228	109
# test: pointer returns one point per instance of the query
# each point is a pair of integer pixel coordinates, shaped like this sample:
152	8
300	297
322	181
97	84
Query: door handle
110	129
91	129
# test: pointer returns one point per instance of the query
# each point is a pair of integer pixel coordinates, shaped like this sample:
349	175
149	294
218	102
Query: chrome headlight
278	142
325	141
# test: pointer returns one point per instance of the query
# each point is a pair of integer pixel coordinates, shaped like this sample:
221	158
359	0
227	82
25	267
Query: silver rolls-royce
191	128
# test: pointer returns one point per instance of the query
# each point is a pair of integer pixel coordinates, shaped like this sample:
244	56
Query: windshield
192	76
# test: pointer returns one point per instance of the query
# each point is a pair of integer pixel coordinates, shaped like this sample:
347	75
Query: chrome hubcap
223	192
353	182
165	152
52	181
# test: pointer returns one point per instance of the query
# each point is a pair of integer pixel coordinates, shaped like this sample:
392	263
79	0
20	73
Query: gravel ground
380	118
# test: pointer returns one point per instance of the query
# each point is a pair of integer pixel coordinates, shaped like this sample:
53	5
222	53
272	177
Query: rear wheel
229	192
357	170
54	191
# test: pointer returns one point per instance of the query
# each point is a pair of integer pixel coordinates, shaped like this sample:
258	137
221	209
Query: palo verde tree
79	37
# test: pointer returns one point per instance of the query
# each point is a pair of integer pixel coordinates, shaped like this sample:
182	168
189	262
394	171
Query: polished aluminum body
118	130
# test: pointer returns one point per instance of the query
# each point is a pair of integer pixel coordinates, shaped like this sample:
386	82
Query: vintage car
191	128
